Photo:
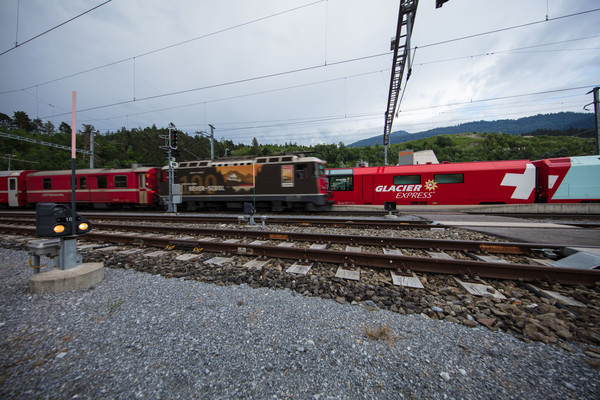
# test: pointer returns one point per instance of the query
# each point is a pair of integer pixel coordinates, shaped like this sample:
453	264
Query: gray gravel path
138	335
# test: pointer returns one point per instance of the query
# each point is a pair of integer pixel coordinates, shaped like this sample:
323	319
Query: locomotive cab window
300	171
319	170
449	178
47	183
407	180
120	181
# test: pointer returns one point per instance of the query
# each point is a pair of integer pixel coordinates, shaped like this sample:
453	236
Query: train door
142	189
367	188
13	192
83	190
99	191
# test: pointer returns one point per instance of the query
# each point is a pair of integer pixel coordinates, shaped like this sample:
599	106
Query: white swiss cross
524	183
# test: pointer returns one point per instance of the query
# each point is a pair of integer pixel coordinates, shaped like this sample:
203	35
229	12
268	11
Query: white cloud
212	71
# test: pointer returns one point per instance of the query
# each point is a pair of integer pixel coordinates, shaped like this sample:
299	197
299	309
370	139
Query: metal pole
170	177
9	156
91	150
597	112
212	142
73	175
68	244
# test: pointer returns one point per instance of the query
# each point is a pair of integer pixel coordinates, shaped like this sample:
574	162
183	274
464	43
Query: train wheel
277	206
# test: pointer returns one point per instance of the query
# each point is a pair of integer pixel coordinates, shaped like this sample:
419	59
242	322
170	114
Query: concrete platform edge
57	280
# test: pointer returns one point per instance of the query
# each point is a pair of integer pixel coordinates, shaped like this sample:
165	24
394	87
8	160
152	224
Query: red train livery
298	182
96	187
568	179
12	188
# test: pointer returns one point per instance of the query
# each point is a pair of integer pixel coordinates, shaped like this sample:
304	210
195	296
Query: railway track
469	258
335	222
260	258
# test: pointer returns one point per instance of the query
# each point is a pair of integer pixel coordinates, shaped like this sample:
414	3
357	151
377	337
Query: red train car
568	179
96	187
490	182
13	188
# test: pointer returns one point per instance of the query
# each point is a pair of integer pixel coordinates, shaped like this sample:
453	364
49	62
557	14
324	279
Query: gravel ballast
138	335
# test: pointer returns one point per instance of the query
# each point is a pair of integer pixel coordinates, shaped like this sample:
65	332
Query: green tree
21	121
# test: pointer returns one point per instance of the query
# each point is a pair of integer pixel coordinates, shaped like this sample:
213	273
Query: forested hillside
557	124
143	146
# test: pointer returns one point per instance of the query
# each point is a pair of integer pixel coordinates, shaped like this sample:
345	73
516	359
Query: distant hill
551	122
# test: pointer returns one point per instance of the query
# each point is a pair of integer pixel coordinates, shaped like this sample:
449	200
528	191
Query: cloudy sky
300	71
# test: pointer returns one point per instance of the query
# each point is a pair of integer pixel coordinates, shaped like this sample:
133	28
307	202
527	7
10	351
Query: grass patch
381	332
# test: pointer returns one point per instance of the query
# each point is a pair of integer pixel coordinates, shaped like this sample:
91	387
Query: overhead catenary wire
489	53
272	16
204	102
51	29
166	47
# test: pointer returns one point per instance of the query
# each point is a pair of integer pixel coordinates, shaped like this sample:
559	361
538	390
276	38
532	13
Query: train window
319	170
82	182
340	183
407	180
12	184
449	178
47	183
120	181
300	171
261	160
286	159
274	159
203	164
102	182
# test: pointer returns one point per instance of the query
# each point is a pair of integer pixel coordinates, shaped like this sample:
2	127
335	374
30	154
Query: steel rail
405	264
515	248
218	219
417	243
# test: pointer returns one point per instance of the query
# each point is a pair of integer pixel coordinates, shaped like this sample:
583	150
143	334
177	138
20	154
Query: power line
244	95
508	28
167	47
276	74
515	50
51	29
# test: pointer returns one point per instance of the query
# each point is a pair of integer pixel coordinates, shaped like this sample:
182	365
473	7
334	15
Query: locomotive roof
286	158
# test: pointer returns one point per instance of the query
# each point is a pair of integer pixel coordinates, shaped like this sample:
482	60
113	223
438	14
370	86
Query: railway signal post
174	193
596	103
58	222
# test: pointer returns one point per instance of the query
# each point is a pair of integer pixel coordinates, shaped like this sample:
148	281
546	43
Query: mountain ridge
552	121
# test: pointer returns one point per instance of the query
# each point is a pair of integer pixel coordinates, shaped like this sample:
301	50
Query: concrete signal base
81	277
